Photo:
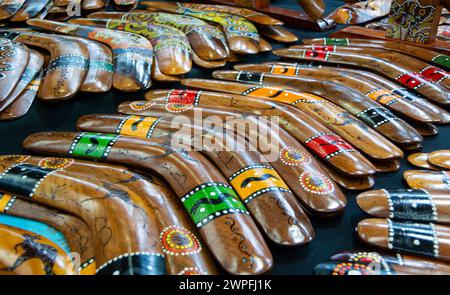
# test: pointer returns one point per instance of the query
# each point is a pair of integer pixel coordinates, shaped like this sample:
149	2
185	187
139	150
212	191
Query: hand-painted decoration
328	145
316	183
375	117
177	240
138	126
142	263
294	157
93	145
178	101
411	205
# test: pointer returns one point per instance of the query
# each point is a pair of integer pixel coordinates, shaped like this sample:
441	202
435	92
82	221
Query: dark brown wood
424	179
29	10
14	60
421	160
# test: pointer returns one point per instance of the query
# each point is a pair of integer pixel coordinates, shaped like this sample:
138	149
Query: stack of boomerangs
412	221
436	173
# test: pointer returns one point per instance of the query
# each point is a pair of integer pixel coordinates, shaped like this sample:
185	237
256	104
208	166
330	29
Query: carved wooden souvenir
386	166
29	10
317	192
421	160
429	56
264	45
440	159
367	33
380	61
225	233
67	68
170	45
14	60
425	129
298	124
414	20
315	8
28	253
419	205
89	191
361	12
335	118
207	41
350	182
125	4
374	263
251	15
44	11
278	34
241	34
34	67
284	223
423	179
77	233
132	54
422	239
339	93
9	7
24	101
93	4
99	77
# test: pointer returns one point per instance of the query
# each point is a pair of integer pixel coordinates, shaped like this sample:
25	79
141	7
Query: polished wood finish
421	160
277	33
440	159
433	180
9	8
29	10
14	59
361	12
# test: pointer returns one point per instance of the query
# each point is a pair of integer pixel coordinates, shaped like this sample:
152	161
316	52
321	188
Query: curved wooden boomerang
133	54
314	8
194	180
68	66
74	187
351	129
93	4
284	223
424	179
9	8
440	158
368	111
29	10
368	59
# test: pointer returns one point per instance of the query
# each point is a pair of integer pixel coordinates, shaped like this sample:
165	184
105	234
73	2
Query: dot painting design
327	145
211	200
14	158
255	180
416	238
285	70
433	74
409	80
411	204
85	267
375	117
443	60
6	202
336	41
383	96
177	240
351	268
68	61
136	263
56	163
93	145
316	183
371	258
294	157
191	271
138	126
178	101
255	78
140	105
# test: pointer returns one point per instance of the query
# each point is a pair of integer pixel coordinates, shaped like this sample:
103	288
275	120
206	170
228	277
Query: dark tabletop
333	235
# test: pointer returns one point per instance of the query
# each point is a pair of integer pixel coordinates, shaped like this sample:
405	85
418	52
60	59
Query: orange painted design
291	71
281	95
383	96
6	201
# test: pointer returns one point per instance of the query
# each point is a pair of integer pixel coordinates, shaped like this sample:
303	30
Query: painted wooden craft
132	54
440	159
125	5
361	12
24	101
284	223
383	62
29	10
350	182
421	160
293	120
348	127
14	60
277	33
193	181
317	192
374	263
207	41
422	239
10	7
77	233
171	47
338	92
423	179
315	9
418	205
93	4
67	68
429	56
414	20
242	35
30	253
34	67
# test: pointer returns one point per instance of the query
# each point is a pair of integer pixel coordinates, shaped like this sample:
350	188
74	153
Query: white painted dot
416	242
116	273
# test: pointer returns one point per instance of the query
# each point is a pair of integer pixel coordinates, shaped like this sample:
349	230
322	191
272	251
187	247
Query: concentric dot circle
178	107
191	271
177	240
14	158
141	105
316	183
294	157
348	268
56	163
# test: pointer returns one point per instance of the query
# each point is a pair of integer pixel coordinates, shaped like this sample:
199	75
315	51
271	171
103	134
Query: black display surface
332	235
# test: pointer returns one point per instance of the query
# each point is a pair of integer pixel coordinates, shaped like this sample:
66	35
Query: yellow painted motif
89	270
291	71
383	96
255	180
280	95
5	202
138	126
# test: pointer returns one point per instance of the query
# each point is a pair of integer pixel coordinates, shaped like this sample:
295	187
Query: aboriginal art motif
383	96
410	80
34	249
316	183
161	37
374	259
138	126
23	179
177	240
255	180
417	238
411	21
352	268
178	101
140	263
411	205
233	25
212	200
55	163
14	158
442	59
93	145
6	202
375	117
315	54
101	65
278	94
6	51
294	157
38	228
191	271
87	267
336	41
243	76
68	61
433	74
328	145
141	105
285	70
